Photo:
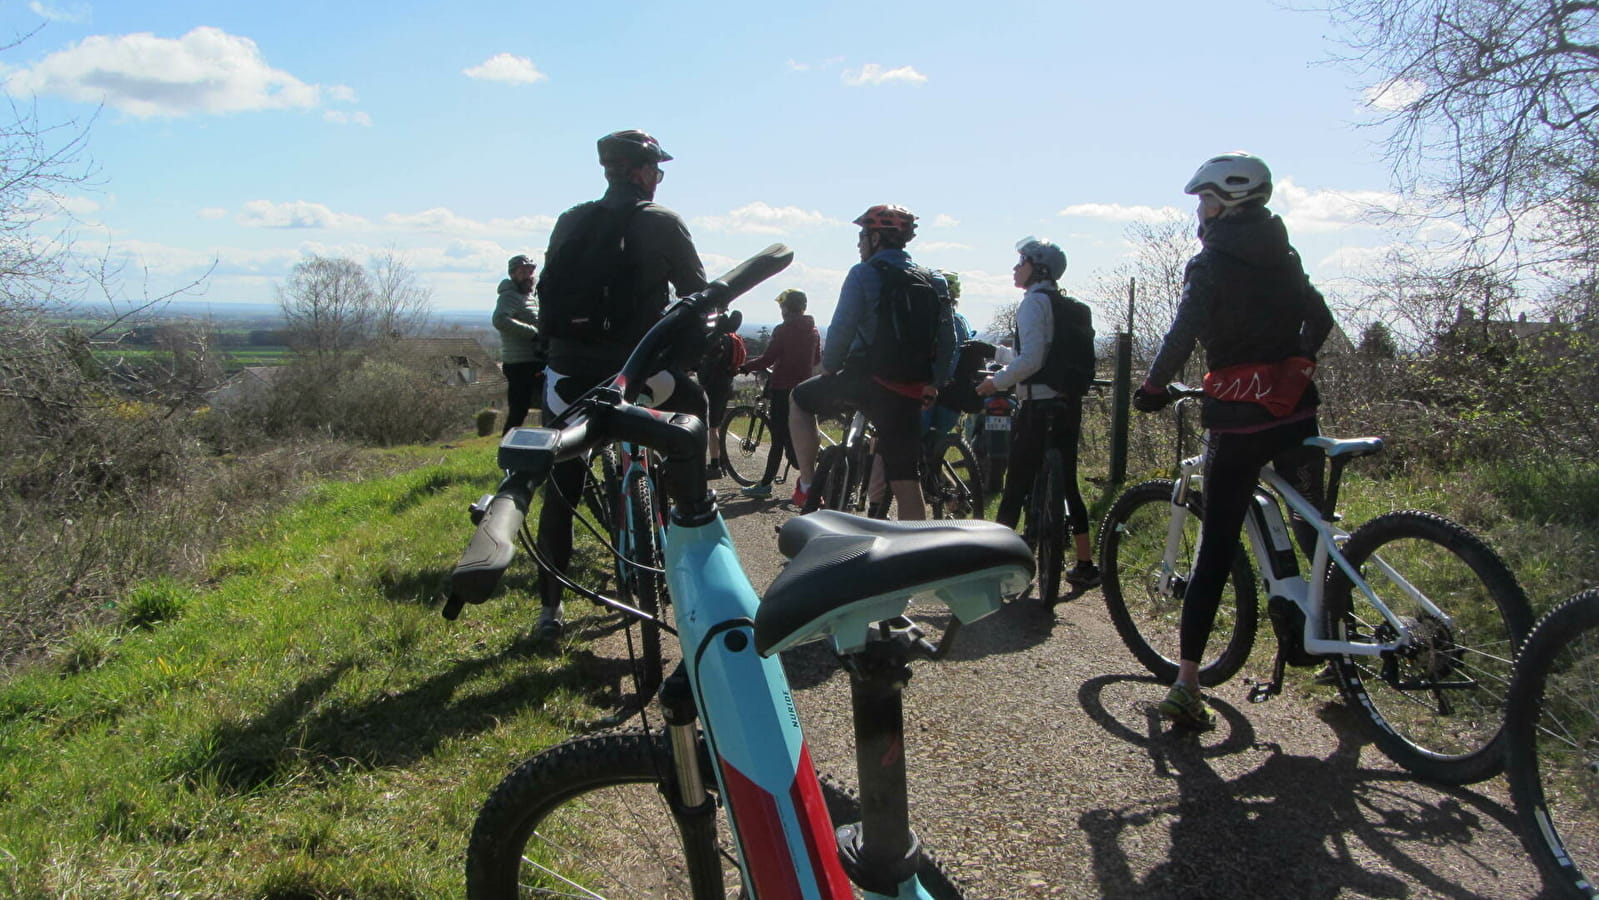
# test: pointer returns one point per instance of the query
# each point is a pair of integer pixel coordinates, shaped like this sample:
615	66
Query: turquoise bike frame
763	767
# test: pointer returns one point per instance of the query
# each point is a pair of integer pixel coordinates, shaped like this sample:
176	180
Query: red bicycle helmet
885	217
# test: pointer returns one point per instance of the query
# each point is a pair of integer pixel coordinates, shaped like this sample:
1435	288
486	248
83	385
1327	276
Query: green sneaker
1187	709
757	491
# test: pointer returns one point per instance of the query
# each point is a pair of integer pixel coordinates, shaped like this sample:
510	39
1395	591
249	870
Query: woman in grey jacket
523	351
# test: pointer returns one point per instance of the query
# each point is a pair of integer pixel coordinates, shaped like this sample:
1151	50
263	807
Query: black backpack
586	293
909	310
1069	367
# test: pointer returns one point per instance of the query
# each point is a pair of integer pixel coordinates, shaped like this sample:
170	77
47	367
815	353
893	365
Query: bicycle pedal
1262	691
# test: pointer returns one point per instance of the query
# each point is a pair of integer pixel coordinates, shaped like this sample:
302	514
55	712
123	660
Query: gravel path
1039	768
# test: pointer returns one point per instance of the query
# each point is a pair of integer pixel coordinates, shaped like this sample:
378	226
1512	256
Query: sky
241	137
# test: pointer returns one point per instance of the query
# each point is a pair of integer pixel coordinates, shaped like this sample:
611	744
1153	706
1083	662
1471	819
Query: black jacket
1246	299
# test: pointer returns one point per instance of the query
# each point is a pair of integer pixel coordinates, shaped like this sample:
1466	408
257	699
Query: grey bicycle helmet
1046	256
1232	178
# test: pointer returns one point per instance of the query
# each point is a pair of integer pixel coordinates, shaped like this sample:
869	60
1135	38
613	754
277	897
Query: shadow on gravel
1283	829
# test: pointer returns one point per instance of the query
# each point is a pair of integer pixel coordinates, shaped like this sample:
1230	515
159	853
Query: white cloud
945	221
874	74
340	117
506	68
798	66
1394	94
76	13
1118	212
212	212
445	221
205	71
935	246
763	218
294	214
341	93
1312	211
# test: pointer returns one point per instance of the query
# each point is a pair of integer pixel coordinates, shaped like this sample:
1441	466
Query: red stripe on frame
818	827
760	833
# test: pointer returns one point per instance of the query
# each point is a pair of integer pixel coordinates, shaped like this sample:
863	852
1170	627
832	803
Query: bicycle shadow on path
1294	826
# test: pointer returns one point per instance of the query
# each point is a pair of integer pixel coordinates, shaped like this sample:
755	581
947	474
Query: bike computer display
528	448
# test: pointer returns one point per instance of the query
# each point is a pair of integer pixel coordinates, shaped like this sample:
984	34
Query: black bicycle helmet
632	147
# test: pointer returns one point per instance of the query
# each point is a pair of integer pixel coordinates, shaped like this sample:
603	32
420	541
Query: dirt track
1040	769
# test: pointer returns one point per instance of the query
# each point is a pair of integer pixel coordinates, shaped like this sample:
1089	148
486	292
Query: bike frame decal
763	766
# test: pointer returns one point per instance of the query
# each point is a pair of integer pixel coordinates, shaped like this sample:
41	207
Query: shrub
486	417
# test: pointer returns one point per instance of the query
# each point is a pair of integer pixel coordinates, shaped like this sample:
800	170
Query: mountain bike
1046	512
1419	618
746	433
1552	747
724	801
843	470
952	482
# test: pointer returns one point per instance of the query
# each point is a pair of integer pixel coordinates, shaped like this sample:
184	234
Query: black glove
1145	400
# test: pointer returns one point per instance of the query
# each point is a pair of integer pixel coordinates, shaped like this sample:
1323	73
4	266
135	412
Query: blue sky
253	134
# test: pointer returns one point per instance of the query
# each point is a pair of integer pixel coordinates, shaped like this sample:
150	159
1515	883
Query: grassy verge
305	726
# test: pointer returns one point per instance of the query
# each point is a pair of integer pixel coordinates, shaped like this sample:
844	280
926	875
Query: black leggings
777	418
1232	470
524	389
1030	430
564	490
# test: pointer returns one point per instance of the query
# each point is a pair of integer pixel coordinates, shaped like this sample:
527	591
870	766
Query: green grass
306	725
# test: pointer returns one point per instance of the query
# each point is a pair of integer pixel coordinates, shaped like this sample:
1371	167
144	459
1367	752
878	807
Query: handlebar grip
489	553
749	273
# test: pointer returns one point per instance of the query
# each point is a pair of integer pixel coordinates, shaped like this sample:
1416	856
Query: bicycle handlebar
605	414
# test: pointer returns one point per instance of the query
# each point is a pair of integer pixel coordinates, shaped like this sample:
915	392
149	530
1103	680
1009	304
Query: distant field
233	358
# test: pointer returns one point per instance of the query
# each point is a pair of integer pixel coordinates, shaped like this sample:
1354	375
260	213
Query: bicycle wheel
1046	523
1145	600
591	818
644	588
1437	706
1552	745
954	483
746	437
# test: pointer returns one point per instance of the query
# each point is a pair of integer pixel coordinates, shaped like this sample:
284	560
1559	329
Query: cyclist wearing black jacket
660	257
1246	298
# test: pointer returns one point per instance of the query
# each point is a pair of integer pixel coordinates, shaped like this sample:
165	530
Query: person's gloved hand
1150	398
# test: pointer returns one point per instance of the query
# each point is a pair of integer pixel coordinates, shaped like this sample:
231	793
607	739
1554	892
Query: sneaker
1326	677
1084	575
757	491
800	498
551	623
713	472
1187	709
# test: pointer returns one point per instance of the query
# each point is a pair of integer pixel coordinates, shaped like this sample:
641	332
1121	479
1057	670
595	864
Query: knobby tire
1552	745
593	812
1436	707
745	442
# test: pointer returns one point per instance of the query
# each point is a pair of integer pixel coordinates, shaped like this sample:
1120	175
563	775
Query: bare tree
1161	250
1004	321
1492	105
329	305
402	304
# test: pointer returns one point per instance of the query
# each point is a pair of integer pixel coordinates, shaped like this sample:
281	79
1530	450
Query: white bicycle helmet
1232	178
1047	256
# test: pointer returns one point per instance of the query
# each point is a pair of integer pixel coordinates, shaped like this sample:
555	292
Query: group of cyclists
891	348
